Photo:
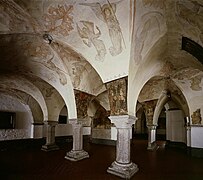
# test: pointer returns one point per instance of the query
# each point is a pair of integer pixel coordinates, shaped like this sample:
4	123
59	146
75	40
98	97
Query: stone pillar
122	166
37	130
188	131
50	136
152	137
77	153
188	140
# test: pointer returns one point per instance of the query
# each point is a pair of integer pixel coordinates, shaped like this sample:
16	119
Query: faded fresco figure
106	13
59	19
89	37
114	29
122	101
149	114
196	117
118	96
192	16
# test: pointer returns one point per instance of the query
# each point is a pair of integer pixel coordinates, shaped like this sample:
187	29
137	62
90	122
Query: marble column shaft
50	136
188	130
77	153
152	137
123	167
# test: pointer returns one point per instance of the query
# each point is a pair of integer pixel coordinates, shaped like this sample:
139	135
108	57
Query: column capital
123	121
75	122
52	123
152	127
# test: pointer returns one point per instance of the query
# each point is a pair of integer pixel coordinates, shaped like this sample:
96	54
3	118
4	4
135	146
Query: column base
49	147
152	146
76	155
123	170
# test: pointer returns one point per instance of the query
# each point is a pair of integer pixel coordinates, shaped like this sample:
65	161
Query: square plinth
123	170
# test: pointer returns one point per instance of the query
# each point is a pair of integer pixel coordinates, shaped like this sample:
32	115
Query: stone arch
24	117
19	83
33	58
160	104
140	74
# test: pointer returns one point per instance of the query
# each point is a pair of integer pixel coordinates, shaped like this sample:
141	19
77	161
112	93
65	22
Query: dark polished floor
165	163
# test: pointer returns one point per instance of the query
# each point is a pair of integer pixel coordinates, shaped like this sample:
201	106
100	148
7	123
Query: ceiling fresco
157	51
65	46
101	33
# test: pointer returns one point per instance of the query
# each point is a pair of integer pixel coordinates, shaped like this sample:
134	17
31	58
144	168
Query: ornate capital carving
123	121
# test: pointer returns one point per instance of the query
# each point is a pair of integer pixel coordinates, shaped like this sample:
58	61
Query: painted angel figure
87	33
106	13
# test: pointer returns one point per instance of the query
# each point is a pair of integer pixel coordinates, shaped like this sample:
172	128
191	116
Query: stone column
77	153
152	137
37	130
188	140
122	166
188	131
50	136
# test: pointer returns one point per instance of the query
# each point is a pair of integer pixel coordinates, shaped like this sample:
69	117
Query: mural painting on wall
100	119
75	68
59	20
15	18
149	107
107	14
36	49
42	55
193	75
155	3
192	16
195	83
89	36
117	91
50	65
48	92
196	117
82	102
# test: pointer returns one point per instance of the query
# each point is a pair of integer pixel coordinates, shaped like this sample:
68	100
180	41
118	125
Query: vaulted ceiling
49	48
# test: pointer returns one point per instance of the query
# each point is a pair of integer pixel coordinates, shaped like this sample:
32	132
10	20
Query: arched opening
140	127
161	128
170	117
21	116
101	125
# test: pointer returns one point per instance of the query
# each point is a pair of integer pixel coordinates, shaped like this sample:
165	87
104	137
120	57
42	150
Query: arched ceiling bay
26	100
30	56
53	99
100	31
157	49
13	84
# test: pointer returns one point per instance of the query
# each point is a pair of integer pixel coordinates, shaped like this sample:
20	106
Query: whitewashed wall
23	119
197	136
175	129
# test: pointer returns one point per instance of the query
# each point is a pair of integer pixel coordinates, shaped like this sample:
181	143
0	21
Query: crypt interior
101	89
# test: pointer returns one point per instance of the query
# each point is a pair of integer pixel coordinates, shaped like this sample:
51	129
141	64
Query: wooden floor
160	165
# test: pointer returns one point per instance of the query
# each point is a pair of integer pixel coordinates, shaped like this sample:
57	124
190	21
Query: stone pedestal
77	153
123	167
152	138
50	137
